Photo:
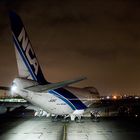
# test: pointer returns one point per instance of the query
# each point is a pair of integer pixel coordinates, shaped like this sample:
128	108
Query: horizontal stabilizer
41	88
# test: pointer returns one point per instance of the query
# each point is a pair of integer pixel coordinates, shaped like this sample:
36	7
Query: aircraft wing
41	88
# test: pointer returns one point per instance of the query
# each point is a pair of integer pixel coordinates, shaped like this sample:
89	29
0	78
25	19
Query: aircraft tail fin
28	65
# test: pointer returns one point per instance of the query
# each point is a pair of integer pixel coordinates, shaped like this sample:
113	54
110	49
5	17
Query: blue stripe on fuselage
70	98
62	98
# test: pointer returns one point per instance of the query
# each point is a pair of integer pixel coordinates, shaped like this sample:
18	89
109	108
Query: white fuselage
54	103
48	102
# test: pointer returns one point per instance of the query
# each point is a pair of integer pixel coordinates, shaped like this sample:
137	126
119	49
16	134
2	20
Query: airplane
53	99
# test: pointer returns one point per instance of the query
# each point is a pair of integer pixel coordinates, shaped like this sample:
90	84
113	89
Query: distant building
4	93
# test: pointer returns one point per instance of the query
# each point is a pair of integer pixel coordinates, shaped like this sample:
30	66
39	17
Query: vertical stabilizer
28	66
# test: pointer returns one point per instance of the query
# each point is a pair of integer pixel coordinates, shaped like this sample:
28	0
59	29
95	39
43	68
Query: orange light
114	97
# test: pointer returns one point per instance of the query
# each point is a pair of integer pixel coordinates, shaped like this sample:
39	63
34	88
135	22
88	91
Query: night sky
99	39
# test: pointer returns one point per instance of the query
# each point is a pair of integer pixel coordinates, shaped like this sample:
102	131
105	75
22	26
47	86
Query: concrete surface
31	128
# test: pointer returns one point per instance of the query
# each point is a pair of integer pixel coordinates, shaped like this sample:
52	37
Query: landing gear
41	113
79	119
66	118
55	118
95	116
76	118
61	118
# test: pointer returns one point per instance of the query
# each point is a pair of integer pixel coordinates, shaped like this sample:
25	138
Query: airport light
136	97
114	97
108	97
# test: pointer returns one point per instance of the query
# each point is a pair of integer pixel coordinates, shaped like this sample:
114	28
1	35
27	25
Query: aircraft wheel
79	119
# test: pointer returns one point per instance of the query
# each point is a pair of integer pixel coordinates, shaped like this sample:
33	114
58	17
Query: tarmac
41	128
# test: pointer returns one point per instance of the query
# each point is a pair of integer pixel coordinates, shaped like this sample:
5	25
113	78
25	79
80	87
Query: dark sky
99	39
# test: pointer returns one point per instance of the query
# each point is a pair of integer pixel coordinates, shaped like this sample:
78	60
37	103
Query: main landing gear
95	116
61	118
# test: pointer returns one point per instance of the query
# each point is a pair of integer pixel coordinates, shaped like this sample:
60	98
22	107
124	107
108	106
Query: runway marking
65	132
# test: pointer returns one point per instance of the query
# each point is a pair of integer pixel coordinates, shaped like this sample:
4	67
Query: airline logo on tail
26	45
23	47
